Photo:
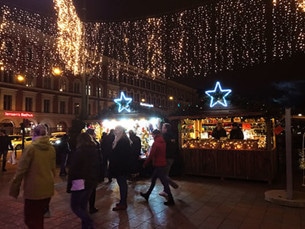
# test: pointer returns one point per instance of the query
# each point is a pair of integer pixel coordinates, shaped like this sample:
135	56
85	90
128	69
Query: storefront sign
123	103
218	95
19	114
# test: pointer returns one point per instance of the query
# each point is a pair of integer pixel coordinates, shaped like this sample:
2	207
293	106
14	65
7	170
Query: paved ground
200	203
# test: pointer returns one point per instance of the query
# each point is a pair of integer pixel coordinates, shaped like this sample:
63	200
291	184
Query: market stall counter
251	158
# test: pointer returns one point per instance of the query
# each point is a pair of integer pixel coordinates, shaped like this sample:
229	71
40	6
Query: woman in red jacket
157	156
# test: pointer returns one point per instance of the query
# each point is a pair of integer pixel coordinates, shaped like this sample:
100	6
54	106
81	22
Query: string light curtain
220	35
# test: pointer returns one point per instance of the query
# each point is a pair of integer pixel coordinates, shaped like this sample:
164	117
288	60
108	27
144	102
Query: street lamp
56	71
20	78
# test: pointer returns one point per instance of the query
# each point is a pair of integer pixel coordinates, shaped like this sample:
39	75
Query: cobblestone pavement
200	203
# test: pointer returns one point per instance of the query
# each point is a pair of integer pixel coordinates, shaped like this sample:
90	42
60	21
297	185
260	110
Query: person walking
106	148
5	145
157	156
92	208
83	177
119	164
171	153
37	168
64	152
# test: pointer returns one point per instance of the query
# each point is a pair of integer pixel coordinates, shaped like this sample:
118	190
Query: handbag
78	185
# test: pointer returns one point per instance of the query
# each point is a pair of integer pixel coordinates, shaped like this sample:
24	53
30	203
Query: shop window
28	104
46	106
7	102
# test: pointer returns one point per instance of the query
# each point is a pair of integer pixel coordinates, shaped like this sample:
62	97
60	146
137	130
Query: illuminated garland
198	42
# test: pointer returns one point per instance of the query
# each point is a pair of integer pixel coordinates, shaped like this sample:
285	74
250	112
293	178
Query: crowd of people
88	163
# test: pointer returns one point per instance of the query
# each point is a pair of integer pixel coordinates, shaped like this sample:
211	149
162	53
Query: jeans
79	205
34	211
122	182
159	172
169	163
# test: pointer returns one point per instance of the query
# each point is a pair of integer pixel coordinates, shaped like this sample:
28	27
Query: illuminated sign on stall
218	95
19	114
123	103
146	105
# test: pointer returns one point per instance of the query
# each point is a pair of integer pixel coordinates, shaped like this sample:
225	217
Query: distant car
55	138
17	141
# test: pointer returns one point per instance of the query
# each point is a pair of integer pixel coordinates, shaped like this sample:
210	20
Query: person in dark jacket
63	152
5	145
219	131
83	177
136	152
157	156
236	132
171	153
106	148
92	208
119	164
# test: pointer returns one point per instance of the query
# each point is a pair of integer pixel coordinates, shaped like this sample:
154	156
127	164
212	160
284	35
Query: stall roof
221	113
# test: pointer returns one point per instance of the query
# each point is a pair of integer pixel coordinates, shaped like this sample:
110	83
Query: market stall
253	157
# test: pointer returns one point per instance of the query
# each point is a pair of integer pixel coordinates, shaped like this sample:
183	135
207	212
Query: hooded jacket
37	168
157	153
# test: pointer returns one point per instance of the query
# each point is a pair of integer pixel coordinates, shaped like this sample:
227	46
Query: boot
170	201
145	195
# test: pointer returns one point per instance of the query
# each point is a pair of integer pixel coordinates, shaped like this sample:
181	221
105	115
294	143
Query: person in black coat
219	131
5	145
119	164
236	132
136	152
63	152
92	208
106	148
83	177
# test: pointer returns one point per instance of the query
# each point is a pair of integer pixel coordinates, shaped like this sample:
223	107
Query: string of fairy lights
220	35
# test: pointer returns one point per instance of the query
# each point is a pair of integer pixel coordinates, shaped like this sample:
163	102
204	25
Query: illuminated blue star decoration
218	95
123	103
